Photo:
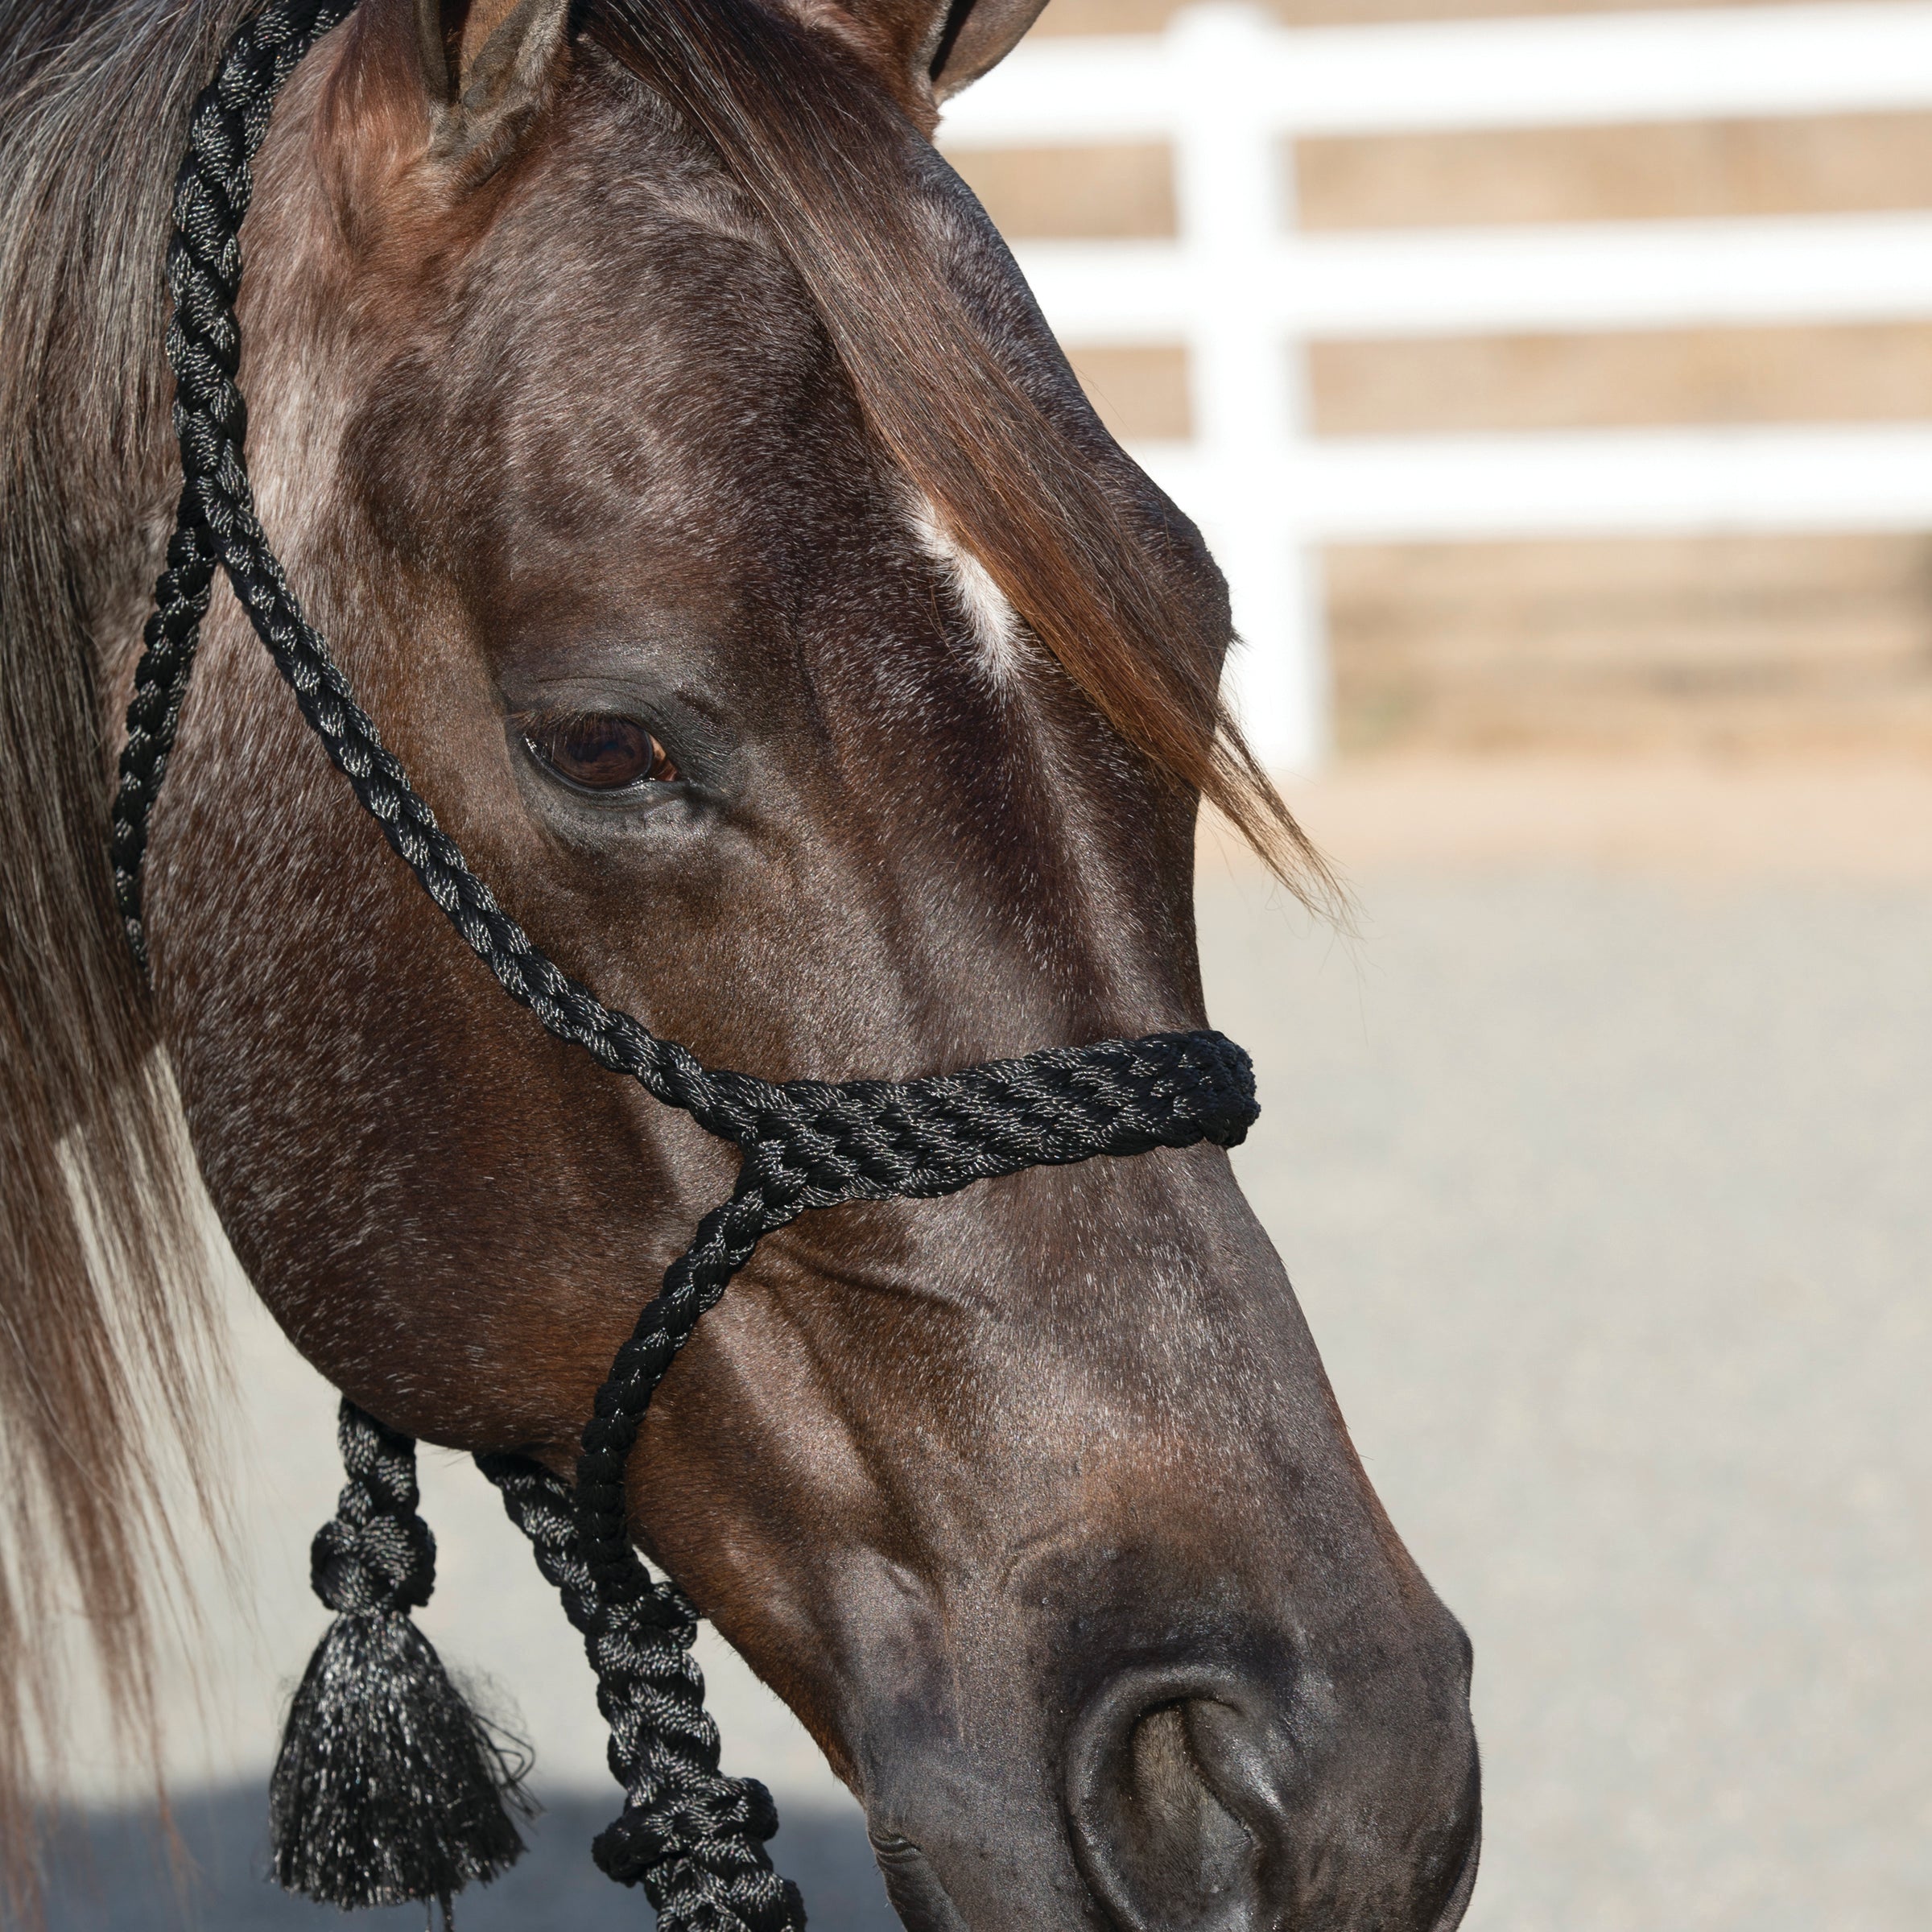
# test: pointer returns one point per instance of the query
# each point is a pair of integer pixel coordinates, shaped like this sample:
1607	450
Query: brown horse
695	495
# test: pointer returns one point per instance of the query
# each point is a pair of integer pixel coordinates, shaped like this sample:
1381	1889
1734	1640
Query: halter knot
376	1554
360	1569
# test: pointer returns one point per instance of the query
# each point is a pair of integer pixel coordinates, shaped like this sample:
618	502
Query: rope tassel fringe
389	1787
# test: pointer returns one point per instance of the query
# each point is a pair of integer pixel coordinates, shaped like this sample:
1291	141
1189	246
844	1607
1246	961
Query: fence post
1232	178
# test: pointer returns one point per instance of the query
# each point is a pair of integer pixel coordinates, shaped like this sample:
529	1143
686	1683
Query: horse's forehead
641	291
646	408
625	336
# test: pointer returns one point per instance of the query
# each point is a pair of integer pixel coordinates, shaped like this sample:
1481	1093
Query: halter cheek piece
388	1787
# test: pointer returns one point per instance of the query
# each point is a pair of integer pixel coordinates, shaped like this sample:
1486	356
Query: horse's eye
598	750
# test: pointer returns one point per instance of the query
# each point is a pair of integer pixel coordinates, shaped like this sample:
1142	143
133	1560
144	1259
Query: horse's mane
104	1306
104	1309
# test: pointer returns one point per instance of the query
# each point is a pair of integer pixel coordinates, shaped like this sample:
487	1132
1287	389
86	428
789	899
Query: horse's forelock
835	170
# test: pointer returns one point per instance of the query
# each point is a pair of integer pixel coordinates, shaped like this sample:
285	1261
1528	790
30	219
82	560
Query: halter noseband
386	1788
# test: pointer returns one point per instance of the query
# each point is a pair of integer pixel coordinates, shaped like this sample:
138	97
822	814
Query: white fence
1240	288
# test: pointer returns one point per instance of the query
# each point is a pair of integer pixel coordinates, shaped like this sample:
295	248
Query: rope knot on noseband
388	1787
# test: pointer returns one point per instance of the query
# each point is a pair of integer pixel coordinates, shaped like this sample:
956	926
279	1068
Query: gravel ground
1609	1201
1611	1204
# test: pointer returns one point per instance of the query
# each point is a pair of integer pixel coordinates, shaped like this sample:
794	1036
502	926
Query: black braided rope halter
694	1839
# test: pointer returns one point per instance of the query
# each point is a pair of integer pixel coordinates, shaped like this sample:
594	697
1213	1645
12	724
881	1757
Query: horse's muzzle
1200	1797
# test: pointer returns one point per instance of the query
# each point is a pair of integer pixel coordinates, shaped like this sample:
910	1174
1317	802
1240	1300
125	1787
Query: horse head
683	474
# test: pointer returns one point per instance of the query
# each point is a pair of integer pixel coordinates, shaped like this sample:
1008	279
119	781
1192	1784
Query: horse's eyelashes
601	751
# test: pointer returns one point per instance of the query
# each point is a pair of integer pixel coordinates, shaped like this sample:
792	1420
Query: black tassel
389	1788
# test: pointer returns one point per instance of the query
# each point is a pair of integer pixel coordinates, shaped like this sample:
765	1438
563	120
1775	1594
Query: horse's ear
486	64
979	35
935	48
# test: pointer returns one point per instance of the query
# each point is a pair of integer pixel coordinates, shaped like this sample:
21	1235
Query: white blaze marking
995	623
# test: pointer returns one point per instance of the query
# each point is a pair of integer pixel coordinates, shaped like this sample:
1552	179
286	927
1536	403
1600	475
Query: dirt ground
1598	1152
1823	820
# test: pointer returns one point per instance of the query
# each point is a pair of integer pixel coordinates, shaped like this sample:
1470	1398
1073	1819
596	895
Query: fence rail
1241	290
1621	274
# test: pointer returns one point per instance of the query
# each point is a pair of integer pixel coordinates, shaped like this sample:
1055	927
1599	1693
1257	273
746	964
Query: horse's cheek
453	1219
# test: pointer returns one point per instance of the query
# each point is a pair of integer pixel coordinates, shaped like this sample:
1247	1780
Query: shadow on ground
111	1872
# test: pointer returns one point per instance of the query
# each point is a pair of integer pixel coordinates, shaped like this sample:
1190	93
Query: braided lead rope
805	1144
376	1552
694	1837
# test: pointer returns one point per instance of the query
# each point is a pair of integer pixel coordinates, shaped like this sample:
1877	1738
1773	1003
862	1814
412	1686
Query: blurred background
1552	381
1556	382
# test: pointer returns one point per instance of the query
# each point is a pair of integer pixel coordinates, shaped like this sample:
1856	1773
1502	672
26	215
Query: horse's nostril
1171	1801
1201	1799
